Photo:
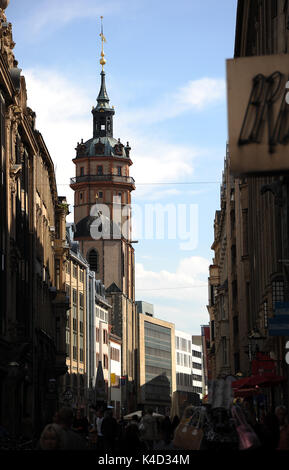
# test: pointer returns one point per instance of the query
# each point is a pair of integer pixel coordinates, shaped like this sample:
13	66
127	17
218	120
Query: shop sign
258	114
281	308
278	326
264	365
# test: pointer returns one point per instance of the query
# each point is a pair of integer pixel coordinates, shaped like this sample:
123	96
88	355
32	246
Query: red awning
257	380
240	383
246	392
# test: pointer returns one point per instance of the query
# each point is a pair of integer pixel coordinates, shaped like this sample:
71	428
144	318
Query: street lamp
254	347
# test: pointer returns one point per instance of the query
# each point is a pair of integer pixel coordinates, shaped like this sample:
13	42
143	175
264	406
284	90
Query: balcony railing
92	178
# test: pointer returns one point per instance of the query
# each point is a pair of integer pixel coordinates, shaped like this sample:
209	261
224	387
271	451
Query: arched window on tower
93	260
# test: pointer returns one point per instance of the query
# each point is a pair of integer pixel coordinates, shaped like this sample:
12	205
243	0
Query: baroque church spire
102	113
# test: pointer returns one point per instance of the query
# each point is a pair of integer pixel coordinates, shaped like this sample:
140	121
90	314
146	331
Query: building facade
77	327
157	369
103	188
249	273
183	361
115	391
198	377
33	253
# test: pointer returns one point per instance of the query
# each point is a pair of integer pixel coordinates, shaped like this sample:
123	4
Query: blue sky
166	78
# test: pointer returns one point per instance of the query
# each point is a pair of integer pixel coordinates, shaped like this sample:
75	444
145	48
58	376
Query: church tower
102	197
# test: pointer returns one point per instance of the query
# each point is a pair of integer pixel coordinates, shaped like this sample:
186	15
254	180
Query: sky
166	78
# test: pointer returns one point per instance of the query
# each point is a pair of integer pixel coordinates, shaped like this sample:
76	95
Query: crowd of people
71	430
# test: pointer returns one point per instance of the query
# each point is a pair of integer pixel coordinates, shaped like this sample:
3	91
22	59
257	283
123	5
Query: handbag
248	439
188	434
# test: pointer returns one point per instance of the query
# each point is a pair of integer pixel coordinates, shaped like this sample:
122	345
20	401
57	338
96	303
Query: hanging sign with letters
258	114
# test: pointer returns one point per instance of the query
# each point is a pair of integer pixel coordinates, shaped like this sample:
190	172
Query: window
81	275
114	354
224	349
274	8
102	127
93	260
74	296
235	325
278	292
75	270
104	336
81	355
197	353
197	378
196	365
105	361
265	314
67	343
100	194
80	196
68	267
119	170
97	335
234	292
99	169
81	319
81	170
97	359
75	347
237	362
212	330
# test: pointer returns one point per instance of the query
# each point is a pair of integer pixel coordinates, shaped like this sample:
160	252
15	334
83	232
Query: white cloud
173	302
187	283
184	317
201	93
195	95
62	116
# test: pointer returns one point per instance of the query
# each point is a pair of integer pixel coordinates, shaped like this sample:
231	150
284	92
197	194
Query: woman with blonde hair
52	438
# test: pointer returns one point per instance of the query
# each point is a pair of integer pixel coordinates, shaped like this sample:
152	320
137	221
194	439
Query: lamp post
254	345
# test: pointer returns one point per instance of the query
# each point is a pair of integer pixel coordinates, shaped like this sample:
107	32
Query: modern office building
145	308
183	361
157	369
198	382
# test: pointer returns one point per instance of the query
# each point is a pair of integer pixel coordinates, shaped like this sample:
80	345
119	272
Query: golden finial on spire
102	60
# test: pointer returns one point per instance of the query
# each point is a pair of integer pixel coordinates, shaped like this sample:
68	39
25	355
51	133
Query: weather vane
102	60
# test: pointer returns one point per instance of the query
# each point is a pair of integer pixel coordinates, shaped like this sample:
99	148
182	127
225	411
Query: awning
257	380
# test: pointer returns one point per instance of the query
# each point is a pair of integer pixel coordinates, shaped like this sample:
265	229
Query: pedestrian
80	424
165	434
98	424
109	430
130	442
175	423
72	440
268	431
52	438
282	415
148	428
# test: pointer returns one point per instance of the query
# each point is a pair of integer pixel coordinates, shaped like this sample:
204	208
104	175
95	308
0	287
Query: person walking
148	428
52	438
72	440
282	415
109	430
